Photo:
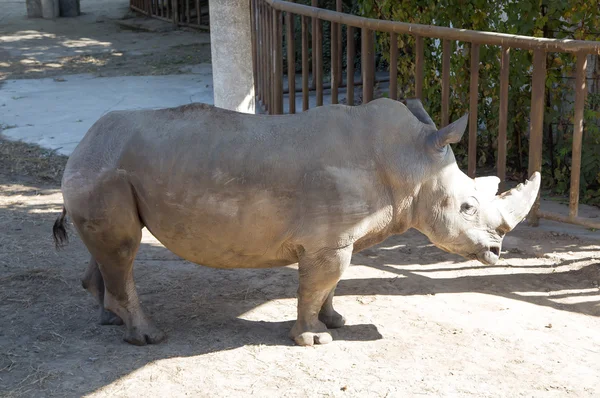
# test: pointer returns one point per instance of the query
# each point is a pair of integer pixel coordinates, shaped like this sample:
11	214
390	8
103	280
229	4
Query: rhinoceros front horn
515	204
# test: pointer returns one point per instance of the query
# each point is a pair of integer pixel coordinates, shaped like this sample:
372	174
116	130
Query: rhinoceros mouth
490	256
495	250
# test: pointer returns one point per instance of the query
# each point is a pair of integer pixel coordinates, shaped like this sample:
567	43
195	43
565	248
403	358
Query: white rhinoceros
232	190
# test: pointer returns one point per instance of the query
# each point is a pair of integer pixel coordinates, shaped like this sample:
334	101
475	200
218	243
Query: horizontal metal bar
327	86
490	38
584	222
135	8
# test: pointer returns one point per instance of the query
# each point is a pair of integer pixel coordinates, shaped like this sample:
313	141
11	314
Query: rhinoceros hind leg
93	282
319	274
329	316
109	225
120	295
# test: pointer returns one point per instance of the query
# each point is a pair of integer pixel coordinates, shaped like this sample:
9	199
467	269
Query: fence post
394	66
503	116
474	95
277	63
291	62
367	64
538	87
447	48
580	93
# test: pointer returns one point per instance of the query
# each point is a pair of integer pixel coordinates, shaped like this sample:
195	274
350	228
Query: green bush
574	19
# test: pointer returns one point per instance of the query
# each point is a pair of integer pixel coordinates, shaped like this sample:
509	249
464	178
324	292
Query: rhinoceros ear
451	134
487	186
416	107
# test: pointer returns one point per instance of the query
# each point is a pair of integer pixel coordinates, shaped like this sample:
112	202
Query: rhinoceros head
460	214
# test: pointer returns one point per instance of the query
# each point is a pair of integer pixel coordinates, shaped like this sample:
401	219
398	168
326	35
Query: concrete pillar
34	8
50	9
69	8
231	50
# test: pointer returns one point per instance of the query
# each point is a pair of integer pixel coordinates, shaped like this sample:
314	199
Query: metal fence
270	18
193	13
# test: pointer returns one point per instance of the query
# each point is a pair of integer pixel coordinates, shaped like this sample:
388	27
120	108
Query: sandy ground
98	43
420	322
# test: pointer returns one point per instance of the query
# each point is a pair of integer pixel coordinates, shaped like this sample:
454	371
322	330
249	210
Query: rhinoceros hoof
334	321
109	318
149	335
305	334
310	338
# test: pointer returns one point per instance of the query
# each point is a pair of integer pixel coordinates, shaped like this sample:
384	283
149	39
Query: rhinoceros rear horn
451	134
515	204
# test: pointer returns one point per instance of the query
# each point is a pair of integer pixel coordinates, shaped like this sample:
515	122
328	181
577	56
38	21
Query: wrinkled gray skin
231	190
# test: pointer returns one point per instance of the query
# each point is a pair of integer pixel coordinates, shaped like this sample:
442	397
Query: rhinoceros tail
59	231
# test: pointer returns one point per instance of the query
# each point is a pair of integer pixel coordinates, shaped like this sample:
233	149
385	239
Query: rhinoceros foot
308	335
148	334
333	320
109	318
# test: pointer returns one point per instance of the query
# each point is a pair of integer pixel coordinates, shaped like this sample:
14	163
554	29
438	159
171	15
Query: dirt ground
106	41
421	322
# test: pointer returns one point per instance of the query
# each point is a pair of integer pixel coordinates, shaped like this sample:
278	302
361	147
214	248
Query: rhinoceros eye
469	207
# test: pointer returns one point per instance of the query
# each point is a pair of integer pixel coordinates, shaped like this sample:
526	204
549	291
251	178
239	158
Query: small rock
344	388
549	326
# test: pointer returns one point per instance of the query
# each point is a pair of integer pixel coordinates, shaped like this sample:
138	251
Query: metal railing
269	17
193	13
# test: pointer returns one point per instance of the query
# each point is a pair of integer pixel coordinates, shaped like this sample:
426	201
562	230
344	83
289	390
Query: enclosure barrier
193	13
270	16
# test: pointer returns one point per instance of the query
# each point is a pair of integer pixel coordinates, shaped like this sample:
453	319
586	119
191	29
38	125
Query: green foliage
573	19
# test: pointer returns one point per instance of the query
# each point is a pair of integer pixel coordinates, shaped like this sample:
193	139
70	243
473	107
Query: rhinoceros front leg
319	274
328	315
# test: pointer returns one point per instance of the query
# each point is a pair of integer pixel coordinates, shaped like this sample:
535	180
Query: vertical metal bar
291	62
367	68
580	93
187	11
304	62
198	12
313	24
269	59
503	116
473	94
319	62
393	66
277	63
419	67
446	52
338	61
350	65
538	88
264	58
334	63
254	55
268	78
261	46
175	12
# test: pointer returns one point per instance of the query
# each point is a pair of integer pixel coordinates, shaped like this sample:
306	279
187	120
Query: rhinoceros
230	190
